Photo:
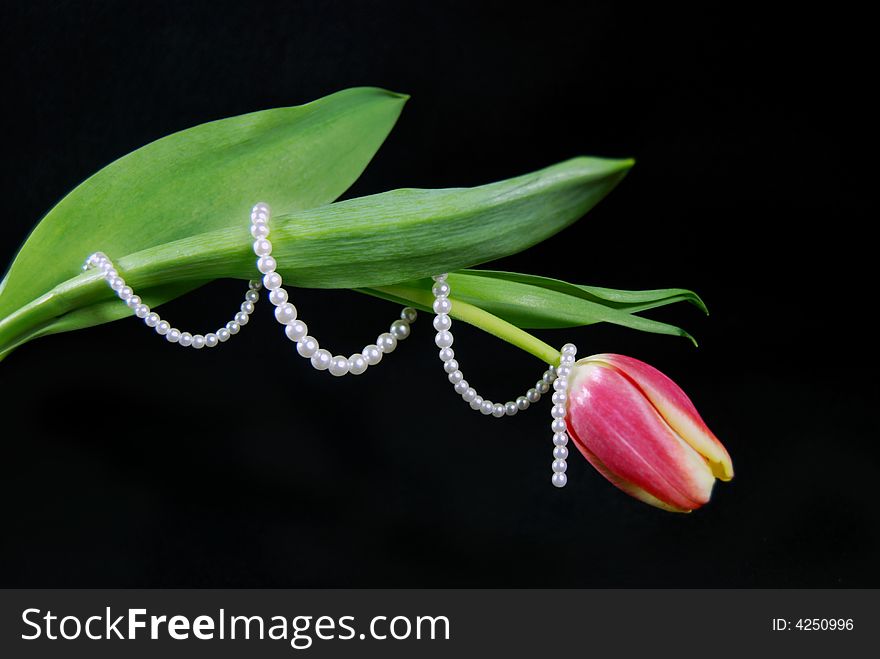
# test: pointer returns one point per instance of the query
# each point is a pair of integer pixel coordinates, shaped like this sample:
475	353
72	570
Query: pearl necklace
323	360
557	377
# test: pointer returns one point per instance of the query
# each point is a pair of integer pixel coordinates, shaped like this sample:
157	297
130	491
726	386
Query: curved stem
478	318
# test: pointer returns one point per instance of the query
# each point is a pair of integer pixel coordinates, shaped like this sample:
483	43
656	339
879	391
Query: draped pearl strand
297	331
285	312
151	319
557	377
338	365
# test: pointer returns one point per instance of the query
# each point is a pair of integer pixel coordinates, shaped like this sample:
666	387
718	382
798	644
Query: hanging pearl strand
560	402
444	340
285	313
151	319
298	332
321	359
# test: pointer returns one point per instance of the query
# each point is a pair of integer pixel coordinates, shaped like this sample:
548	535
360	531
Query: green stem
478	318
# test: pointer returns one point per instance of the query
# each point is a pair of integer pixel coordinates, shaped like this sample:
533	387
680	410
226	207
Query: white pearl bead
247	307
262	207
252	296
442	305
296	330
440	277
461	387
142	311
266	264
211	339
569	348
451	366
442	322
339	366
559	466
559	479
559	398
498	410
455	377
259	230
173	335
533	396
125	293
549	376
262	247
560	385
357	364
133	301
440	288
198	341
566	360
117	283
278	297
242	318
372	354
446	354
307	346
109	271
232	327
186	339
255	284
409	314
477	403
563	372
386	342
285	314
162	327
321	360
522	402
272	281
510	408
469	395
151	319
487	407
444	339
560	439
558	412
223	335
542	387
560	452
558	425
400	329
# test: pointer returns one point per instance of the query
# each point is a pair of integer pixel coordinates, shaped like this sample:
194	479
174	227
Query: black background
127	462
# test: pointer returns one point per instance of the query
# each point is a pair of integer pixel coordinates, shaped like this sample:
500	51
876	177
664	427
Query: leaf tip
697	301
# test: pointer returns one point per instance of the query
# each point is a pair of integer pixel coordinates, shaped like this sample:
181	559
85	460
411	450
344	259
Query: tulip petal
609	418
629	488
676	408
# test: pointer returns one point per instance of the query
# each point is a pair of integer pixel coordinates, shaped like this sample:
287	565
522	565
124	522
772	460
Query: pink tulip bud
639	430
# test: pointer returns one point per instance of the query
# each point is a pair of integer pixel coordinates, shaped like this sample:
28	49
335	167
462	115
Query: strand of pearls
444	340
285	313
162	327
297	331
323	360
560	402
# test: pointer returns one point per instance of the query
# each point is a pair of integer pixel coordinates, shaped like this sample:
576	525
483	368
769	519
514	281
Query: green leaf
629	301
203	179
530	302
370	241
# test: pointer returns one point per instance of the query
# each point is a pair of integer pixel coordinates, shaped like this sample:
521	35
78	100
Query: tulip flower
639	430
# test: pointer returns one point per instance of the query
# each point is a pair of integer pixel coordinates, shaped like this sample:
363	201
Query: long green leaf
365	242
203	179
629	301
526	305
